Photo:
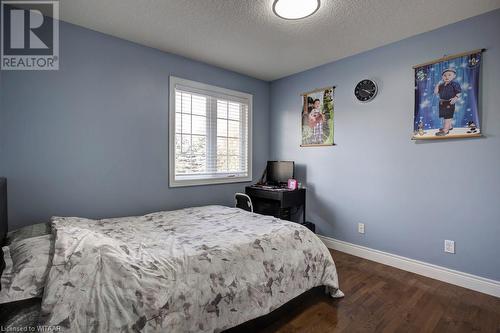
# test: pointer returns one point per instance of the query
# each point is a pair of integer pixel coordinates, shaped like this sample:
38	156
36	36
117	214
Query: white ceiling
245	36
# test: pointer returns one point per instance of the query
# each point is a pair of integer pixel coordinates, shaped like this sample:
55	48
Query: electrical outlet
449	246
361	228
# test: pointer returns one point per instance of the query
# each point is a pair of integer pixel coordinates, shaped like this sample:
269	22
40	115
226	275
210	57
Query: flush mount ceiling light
295	9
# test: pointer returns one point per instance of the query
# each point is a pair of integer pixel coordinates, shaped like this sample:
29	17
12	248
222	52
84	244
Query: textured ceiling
245	35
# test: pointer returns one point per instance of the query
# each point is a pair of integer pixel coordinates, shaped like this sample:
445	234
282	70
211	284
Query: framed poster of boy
447	96
317	118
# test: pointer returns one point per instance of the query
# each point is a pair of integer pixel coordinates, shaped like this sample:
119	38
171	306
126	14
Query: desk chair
243	201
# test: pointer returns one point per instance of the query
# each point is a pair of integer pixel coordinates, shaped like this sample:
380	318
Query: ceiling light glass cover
295	9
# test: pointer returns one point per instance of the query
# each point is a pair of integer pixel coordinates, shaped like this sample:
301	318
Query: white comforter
192	270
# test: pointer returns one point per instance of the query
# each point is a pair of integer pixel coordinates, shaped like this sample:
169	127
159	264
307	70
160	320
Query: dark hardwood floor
380	298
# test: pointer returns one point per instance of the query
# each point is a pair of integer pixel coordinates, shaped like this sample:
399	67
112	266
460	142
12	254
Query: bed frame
3	221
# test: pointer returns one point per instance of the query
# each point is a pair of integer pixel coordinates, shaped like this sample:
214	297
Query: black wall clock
365	90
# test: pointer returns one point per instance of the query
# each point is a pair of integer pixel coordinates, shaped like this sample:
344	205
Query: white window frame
223	92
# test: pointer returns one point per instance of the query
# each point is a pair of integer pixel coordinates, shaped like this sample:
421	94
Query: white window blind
210	134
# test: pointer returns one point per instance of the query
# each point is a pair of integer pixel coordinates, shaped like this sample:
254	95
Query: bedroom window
210	134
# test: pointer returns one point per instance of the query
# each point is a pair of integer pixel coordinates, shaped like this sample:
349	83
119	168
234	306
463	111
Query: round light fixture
295	9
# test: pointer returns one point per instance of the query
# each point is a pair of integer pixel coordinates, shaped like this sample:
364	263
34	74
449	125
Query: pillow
28	232
27	266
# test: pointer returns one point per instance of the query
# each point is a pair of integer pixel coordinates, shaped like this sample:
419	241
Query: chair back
243	201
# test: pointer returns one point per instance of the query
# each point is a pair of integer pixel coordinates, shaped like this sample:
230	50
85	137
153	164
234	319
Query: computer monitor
278	172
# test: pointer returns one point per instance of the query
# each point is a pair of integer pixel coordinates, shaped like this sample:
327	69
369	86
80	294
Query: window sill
208	181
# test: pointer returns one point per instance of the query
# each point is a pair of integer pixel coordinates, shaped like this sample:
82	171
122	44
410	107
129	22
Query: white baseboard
466	280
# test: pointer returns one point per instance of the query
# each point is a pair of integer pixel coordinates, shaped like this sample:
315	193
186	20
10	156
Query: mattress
21	315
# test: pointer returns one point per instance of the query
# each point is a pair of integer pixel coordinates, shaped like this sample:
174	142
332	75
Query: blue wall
92	138
410	195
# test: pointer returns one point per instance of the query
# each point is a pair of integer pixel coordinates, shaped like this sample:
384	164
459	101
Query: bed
200	269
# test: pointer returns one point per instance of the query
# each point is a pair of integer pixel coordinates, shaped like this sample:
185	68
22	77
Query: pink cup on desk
292	184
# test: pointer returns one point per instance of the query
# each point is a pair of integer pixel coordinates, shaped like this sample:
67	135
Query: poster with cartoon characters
317	118
447	96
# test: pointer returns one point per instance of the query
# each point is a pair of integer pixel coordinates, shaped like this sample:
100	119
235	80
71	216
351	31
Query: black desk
277	203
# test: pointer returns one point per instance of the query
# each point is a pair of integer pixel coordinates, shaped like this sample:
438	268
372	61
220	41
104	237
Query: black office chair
243	201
